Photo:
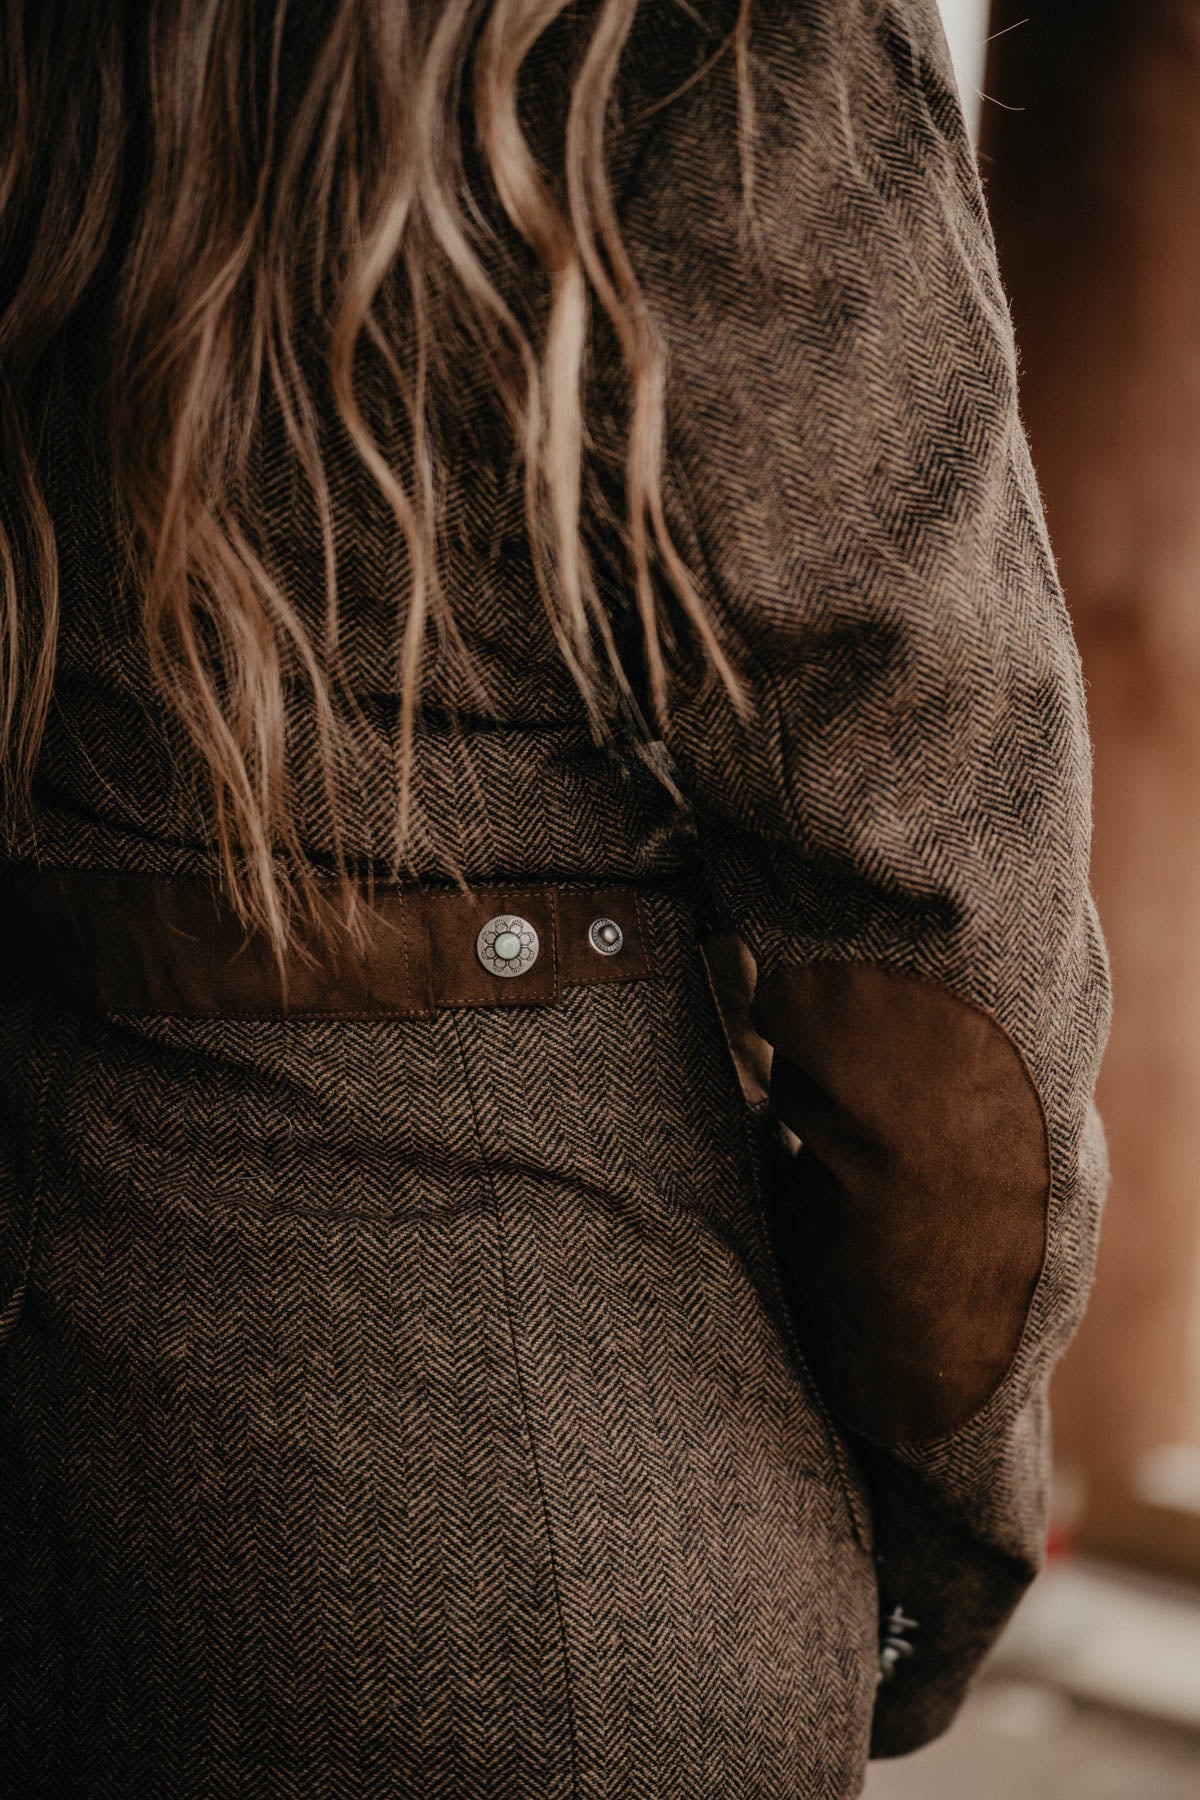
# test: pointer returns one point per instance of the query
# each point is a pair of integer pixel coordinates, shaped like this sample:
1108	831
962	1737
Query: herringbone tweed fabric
410	1407
407	1408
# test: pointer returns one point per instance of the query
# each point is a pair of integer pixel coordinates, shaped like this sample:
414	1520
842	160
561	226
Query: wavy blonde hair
252	223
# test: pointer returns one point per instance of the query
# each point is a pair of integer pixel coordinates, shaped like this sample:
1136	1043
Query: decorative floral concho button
507	945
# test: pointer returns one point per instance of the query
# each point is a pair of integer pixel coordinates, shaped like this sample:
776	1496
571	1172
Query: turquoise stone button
507	945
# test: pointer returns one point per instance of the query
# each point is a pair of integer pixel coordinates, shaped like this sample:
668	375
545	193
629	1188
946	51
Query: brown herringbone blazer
441	1405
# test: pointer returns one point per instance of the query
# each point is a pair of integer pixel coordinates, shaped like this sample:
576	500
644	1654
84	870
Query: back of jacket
637	1301
508	781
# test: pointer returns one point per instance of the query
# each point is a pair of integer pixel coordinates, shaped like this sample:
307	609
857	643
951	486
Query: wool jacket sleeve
899	828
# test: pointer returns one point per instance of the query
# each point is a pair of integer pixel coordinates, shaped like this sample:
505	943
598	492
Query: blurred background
1087	122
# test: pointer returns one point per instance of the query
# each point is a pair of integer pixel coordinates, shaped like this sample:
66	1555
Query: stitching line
552	909
405	915
526	1413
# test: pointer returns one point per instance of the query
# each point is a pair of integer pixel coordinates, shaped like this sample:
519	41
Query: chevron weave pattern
411	1407
406	1408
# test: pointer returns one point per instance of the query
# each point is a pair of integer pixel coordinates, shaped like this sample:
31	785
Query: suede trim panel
914	1234
170	945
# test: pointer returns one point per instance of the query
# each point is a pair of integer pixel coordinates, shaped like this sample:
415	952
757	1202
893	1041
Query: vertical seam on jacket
526	1414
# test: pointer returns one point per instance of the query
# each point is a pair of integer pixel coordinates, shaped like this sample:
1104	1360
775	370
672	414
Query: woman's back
505	763
401	1391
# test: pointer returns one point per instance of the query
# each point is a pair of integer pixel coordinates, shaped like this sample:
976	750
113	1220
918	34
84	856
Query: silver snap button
507	945
605	936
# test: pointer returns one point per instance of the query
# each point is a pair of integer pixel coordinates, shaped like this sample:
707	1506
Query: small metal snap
605	936
507	945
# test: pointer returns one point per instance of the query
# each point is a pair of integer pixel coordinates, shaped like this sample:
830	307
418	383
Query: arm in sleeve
899	830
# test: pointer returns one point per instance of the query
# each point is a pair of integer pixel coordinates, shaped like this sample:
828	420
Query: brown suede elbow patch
914	1234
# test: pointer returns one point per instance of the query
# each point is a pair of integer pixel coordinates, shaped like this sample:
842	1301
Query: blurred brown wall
1091	153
